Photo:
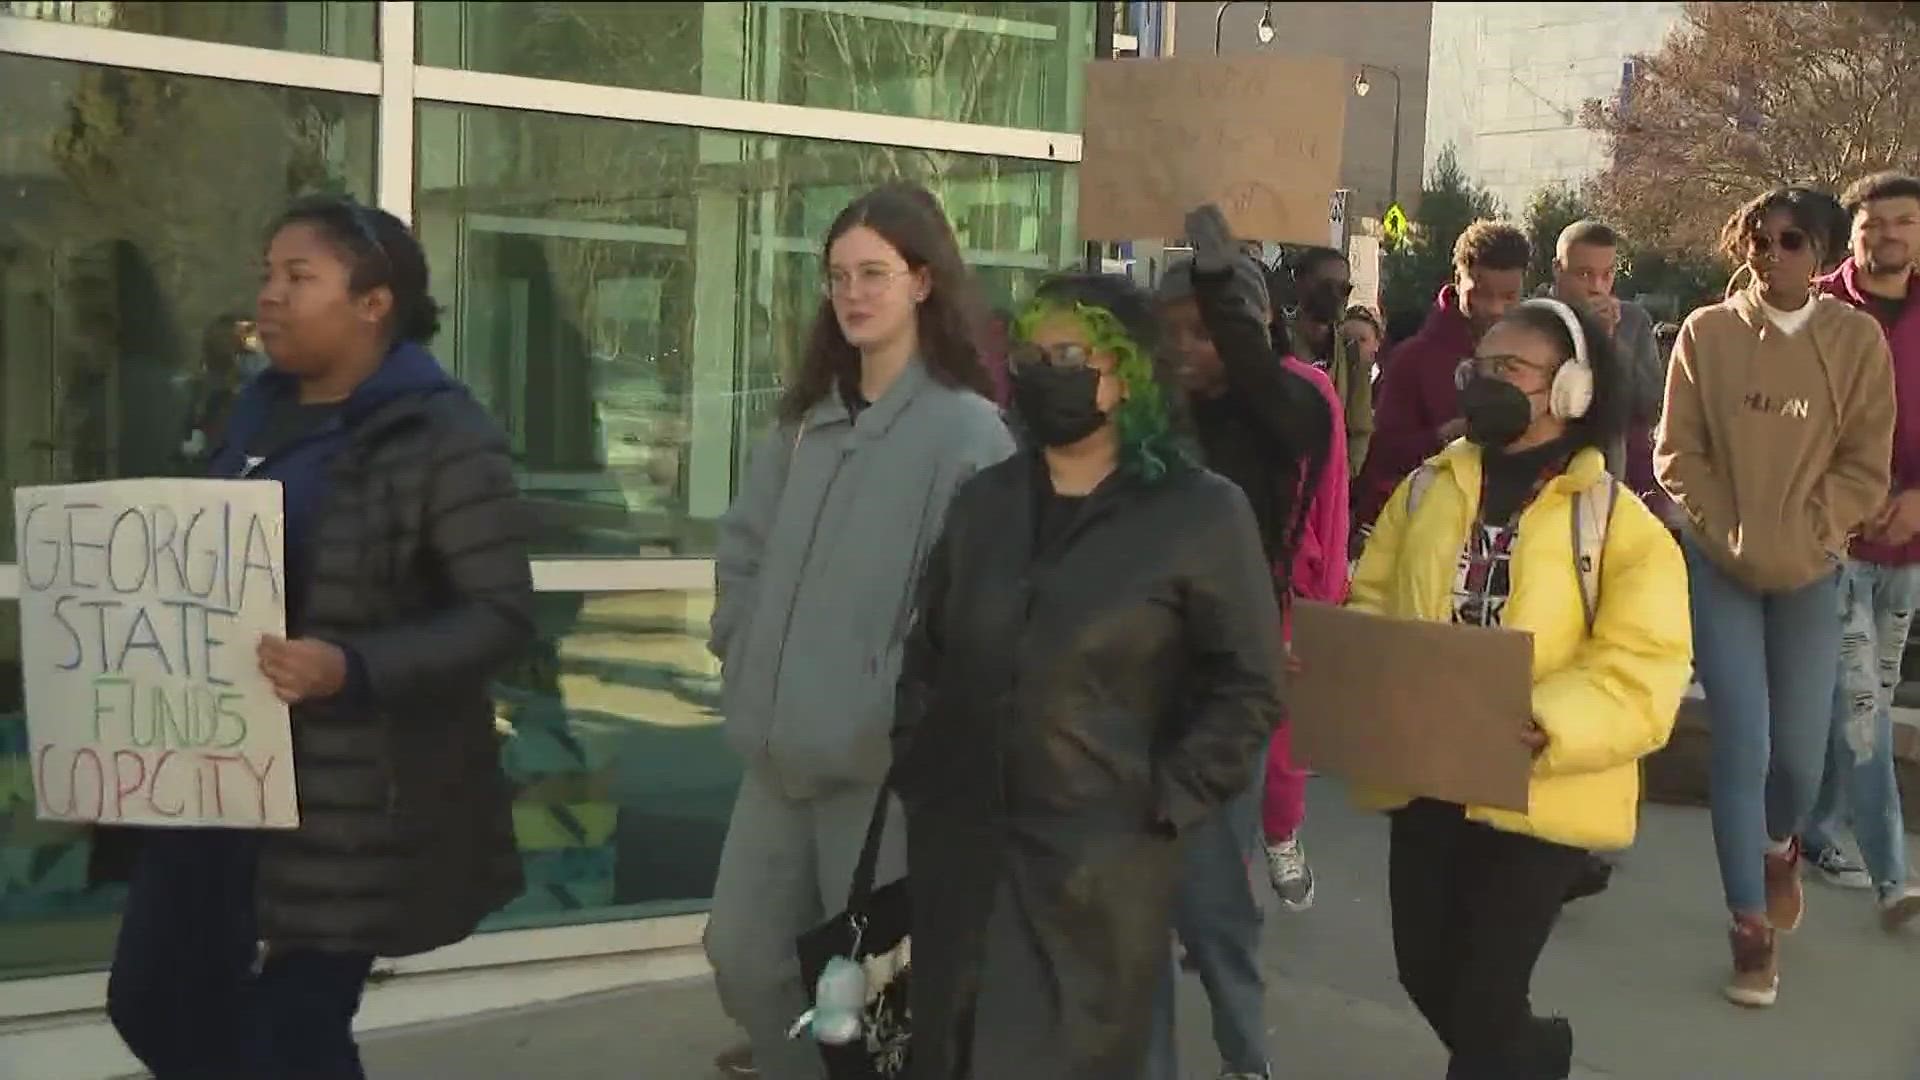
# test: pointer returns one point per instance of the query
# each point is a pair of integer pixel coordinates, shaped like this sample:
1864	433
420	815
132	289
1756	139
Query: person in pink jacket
1320	571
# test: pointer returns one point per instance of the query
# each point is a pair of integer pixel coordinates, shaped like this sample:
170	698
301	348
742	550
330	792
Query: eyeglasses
866	281
1070	357
1497	366
1791	241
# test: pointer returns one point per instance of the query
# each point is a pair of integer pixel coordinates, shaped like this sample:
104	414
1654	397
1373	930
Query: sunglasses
1064	357
1791	241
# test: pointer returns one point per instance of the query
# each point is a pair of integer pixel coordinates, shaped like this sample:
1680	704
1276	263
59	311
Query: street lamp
1361	88
1264	31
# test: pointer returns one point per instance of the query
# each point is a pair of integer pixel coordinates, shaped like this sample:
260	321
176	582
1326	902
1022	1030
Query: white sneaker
1837	870
1292	877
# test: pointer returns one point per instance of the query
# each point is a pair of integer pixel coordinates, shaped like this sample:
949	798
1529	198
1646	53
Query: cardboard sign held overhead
1259	135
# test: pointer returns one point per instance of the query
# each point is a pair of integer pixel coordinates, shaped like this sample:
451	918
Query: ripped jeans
1876	611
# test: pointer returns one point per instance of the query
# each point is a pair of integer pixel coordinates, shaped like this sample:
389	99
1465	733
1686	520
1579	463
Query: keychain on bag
840	997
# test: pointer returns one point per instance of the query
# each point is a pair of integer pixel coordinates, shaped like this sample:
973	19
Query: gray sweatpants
785	867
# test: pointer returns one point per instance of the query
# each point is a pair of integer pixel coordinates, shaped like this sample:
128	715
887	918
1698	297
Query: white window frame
180	56
399	84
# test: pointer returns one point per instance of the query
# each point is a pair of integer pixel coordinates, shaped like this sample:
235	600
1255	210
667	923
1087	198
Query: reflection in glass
623	781
51	919
654	46
1009	65
626	296
328	27
131	205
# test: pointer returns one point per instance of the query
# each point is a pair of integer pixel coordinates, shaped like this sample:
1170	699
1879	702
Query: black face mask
1058	406
1496	412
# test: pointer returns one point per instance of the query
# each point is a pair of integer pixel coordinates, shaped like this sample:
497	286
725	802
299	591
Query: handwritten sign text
141	605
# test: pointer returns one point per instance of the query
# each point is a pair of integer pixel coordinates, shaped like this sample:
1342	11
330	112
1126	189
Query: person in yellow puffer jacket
1484	536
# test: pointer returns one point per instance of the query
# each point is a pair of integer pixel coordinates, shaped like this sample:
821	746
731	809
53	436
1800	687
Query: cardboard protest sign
141	605
1420	708
1260	135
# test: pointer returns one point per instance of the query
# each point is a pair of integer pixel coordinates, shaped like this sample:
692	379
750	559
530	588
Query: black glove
1214	248
1221	258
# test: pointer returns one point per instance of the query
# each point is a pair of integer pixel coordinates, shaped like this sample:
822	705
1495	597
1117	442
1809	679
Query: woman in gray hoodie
816	568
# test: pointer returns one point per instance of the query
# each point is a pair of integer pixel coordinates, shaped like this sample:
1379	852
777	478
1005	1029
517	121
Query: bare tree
1745	96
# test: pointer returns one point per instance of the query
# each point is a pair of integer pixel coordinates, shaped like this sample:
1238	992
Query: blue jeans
1767	662
1217	917
1876	609
186	995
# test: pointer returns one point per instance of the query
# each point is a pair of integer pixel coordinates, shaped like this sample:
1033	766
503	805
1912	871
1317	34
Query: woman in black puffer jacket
244	954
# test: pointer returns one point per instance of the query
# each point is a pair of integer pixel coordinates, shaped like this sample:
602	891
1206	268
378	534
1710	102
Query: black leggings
1472	910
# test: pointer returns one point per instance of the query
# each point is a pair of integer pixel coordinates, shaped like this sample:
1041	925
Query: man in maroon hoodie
1416	405
1882	577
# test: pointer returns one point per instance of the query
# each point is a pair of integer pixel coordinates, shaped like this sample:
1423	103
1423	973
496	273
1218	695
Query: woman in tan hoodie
1775	442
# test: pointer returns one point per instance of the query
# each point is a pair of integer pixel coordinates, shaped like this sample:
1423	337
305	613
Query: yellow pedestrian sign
1393	227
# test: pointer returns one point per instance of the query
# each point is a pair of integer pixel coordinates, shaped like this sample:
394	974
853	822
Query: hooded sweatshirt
1416	397
1903	339
1776	445
270	435
1320	565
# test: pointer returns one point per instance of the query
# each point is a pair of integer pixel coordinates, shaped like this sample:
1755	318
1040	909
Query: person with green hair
1092	673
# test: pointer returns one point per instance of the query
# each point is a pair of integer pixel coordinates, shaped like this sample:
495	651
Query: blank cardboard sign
1258	135
1418	708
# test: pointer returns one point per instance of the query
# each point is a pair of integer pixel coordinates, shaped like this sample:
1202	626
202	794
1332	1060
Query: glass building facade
623	206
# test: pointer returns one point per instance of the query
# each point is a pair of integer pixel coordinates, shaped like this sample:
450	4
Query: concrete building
1391	38
1507	83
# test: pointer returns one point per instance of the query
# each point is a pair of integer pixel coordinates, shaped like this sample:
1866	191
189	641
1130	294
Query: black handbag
874	930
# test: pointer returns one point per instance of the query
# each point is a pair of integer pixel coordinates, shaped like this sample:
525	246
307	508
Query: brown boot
1786	902
1756	971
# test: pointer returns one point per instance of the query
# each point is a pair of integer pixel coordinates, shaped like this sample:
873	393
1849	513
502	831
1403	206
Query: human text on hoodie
1777	445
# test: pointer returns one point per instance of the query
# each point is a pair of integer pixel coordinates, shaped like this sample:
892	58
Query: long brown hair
908	217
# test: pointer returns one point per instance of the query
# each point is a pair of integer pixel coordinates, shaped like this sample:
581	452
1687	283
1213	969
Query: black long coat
1063	715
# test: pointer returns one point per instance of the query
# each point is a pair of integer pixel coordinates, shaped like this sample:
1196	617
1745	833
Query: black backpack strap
861	889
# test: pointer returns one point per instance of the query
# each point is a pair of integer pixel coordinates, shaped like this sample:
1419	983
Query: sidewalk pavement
1637	969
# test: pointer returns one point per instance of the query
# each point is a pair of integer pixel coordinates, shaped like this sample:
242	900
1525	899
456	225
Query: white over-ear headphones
1572	393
